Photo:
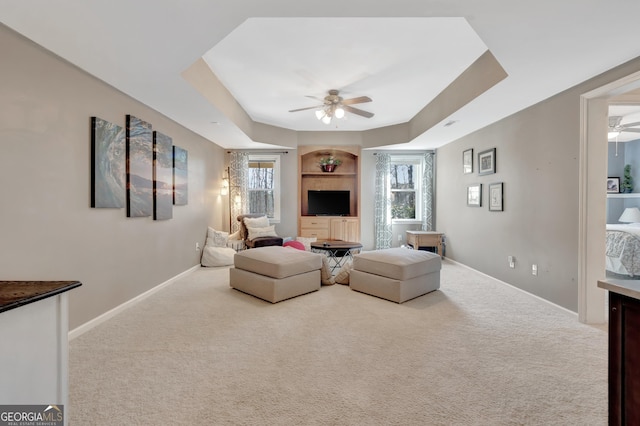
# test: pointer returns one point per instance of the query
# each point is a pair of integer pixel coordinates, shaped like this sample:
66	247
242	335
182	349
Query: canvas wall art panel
180	176
108	164
162	176
139	167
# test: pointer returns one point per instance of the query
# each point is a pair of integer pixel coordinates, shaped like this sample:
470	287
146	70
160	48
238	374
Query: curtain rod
262	152
428	151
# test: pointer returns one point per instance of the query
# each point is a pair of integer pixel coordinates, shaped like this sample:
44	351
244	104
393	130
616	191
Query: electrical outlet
198	247
399	237
534	269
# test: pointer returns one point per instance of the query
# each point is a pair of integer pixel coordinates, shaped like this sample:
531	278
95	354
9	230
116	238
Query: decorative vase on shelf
329	164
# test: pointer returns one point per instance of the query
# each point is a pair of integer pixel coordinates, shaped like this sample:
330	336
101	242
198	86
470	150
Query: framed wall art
487	162
180	176
613	185
467	161
108	164
162	176
474	195
139	168
495	197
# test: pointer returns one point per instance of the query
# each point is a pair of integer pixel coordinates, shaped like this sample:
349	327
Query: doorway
592	196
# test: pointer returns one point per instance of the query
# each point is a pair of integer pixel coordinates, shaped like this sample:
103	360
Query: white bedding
623	249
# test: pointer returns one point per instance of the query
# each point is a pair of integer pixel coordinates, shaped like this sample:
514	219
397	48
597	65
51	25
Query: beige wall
538	153
47	229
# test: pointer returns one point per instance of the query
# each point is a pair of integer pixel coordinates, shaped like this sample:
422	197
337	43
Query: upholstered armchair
259	235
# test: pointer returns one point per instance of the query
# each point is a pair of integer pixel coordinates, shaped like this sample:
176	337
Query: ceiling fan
615	127
333	105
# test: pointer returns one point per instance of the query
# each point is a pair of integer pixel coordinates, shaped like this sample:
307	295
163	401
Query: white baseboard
78	331
512	286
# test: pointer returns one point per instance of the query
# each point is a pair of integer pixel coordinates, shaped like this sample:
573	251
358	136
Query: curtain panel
238	194
382	214
427	191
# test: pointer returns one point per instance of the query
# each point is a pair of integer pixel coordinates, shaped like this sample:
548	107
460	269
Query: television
329	203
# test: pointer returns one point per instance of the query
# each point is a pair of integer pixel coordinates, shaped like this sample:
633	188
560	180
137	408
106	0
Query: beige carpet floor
476	352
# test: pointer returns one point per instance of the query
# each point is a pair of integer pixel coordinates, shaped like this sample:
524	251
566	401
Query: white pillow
267	231
306	241
256	222
216	238
217	256
342	277
325	272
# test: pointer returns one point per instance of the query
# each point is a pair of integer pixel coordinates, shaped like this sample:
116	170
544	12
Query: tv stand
324	228
345	177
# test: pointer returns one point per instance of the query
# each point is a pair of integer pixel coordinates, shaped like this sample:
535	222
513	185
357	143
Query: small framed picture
487	162
474	195
613	185
467	161
495	197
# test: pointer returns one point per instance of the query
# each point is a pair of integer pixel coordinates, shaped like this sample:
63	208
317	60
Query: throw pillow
325	272
256	222
294	244
342	277
267	231
217	256
217	238
307	242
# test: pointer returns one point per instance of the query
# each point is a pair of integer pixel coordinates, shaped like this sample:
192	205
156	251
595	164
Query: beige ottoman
275	273
396	274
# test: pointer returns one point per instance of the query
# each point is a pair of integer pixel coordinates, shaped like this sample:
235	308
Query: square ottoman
396	274
275	273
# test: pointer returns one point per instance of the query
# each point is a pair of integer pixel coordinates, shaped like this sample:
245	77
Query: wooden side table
418	239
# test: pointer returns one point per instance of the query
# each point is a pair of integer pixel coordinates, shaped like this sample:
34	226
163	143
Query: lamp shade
630	215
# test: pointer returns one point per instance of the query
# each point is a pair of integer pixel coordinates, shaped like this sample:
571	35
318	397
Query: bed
623	249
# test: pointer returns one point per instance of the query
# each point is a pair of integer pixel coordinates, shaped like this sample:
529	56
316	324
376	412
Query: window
264	185
405	183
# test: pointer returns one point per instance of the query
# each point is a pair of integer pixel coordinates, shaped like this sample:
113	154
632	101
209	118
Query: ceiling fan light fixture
326	119
613	134
339	112
319	114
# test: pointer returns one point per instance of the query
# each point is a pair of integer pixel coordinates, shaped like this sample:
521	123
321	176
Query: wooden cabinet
345	177
624	351
345	229
312	226
330	228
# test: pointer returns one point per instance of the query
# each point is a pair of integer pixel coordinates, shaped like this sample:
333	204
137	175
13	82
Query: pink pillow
294	244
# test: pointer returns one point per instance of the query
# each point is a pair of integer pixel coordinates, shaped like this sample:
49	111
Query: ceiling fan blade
358	100
625	125
304	109
630	130
357	111
316	98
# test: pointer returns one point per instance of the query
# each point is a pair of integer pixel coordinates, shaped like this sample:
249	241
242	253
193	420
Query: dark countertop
14	294
630	288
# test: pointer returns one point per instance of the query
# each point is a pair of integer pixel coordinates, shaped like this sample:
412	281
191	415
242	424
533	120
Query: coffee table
337	251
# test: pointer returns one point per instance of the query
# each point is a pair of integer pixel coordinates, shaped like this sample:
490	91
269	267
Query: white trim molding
80	330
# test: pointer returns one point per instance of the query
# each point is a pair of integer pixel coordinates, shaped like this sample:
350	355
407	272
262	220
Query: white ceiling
271	55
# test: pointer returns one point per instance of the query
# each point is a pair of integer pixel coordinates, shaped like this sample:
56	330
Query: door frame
593	196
